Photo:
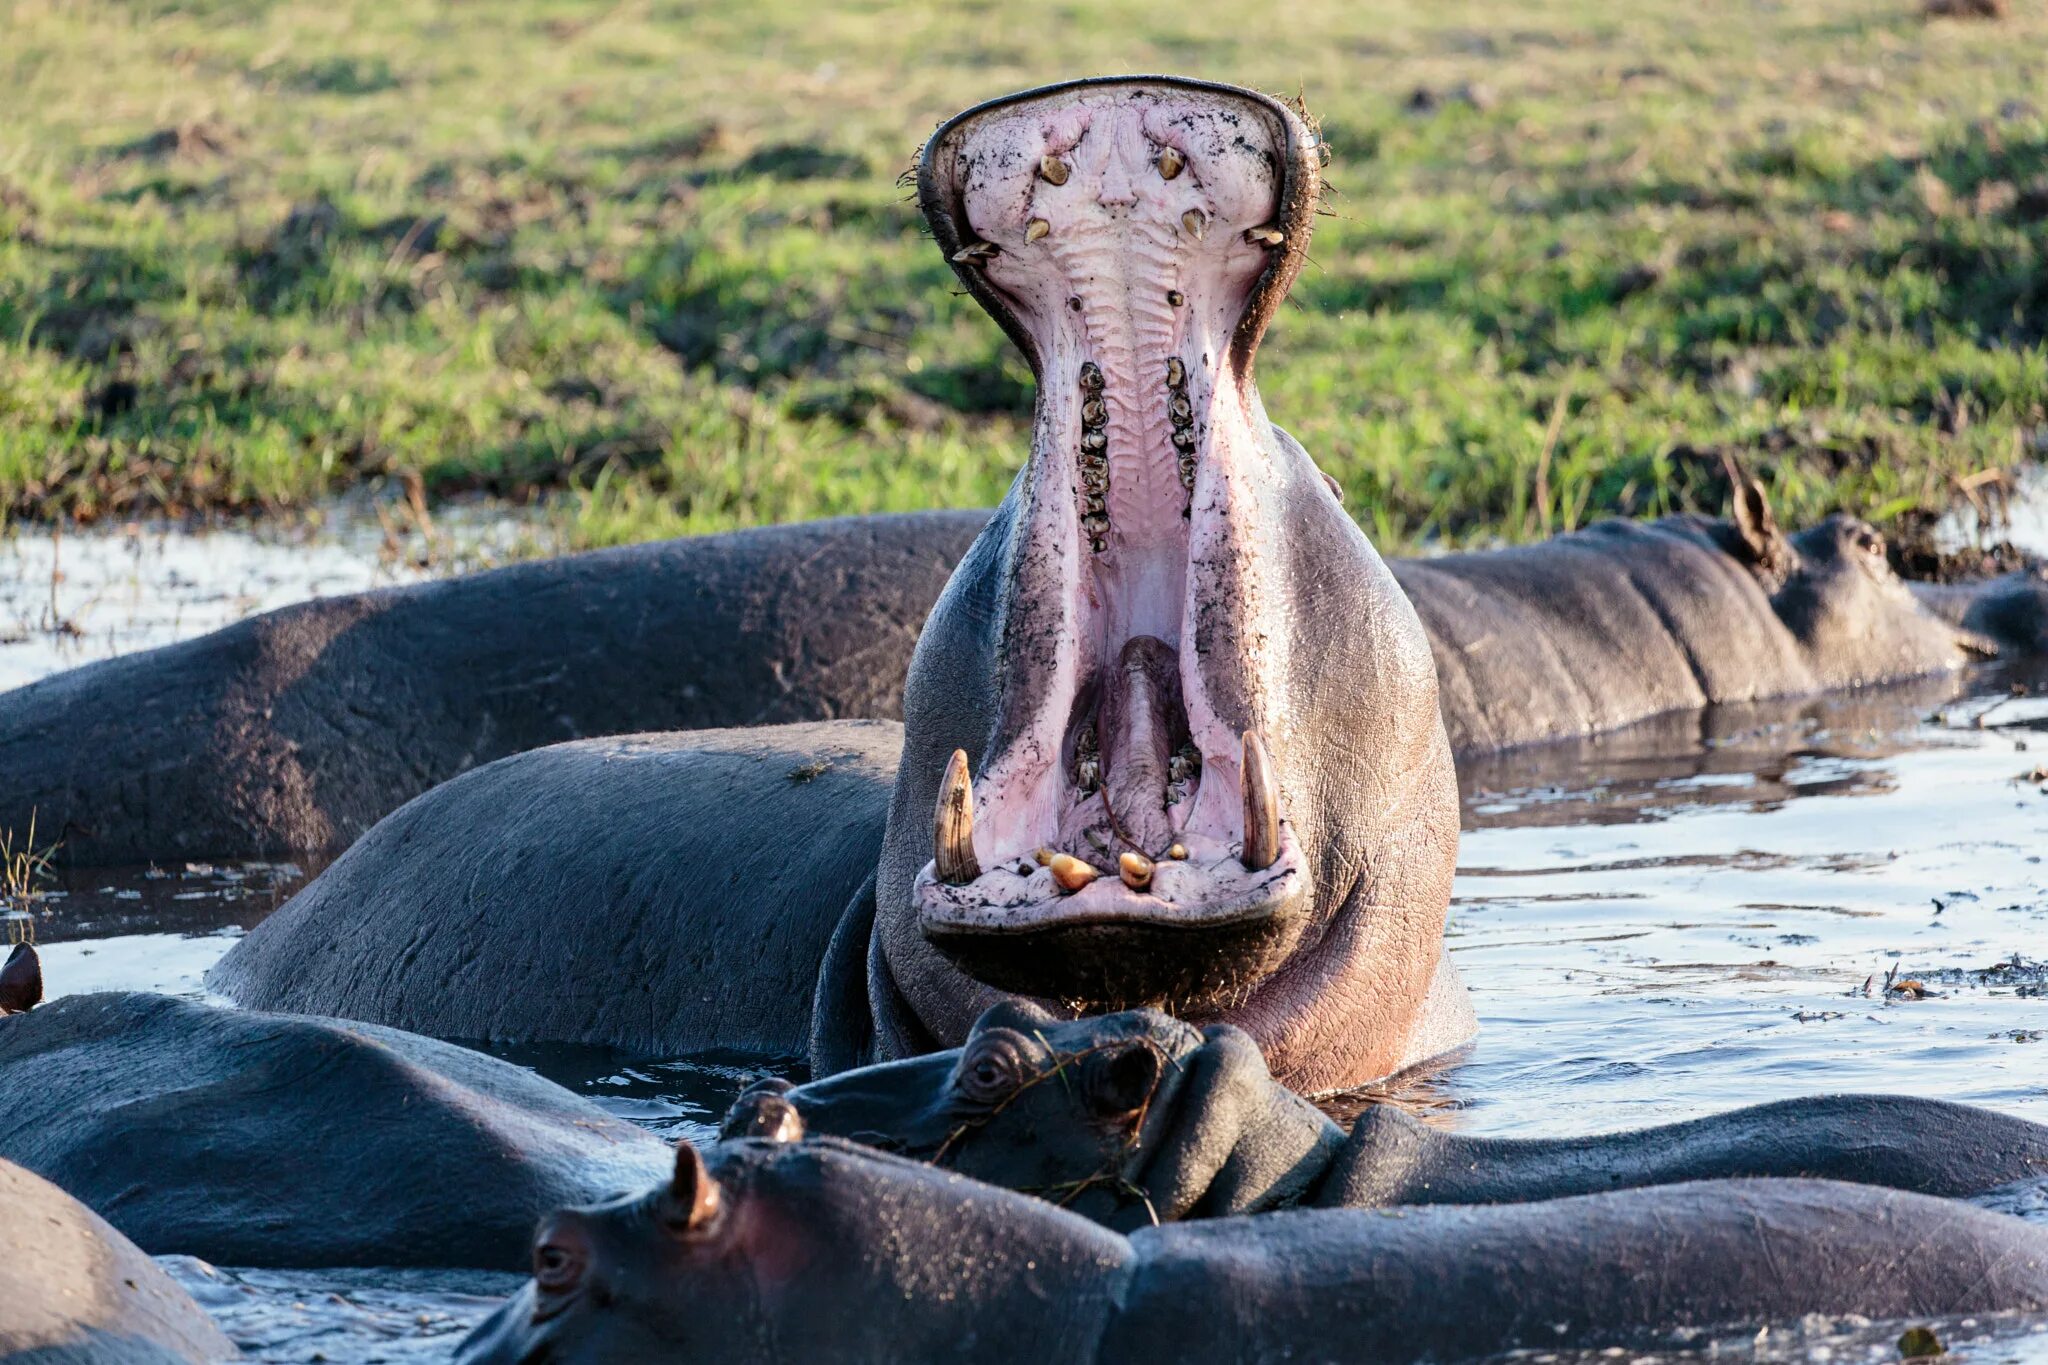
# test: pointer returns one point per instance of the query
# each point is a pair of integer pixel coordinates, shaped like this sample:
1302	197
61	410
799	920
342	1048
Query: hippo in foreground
260	1140
828	1252
1136	1118
75	1292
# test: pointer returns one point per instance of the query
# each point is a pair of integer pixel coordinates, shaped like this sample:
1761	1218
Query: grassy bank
650	260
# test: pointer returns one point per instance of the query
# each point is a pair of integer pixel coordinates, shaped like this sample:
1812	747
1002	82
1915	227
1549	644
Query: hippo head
1832	585
1127	1119
1171	733
769	1252
21	980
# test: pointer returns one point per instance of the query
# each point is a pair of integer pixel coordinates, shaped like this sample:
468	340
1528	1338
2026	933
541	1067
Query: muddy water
1701	913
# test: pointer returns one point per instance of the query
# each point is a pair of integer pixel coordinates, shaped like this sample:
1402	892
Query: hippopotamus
829	1252
1173	733
265	1140
75	1292
21	980
1158	775
1136	1117
295	731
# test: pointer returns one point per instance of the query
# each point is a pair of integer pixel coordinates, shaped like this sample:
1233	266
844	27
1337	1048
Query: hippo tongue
1141	725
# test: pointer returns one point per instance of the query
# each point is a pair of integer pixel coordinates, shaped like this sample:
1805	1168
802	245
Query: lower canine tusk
1261	805
1071	873
953	826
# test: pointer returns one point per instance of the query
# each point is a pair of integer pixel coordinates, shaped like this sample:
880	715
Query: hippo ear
693	1197
21	980
1755	526
766	1114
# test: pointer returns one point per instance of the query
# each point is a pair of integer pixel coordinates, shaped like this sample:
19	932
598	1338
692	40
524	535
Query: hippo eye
995	1066
557	1266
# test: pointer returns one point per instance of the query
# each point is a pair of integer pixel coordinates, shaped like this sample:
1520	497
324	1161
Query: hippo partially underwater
1172	735
1184	733
75	1292
827	1252
1136	1118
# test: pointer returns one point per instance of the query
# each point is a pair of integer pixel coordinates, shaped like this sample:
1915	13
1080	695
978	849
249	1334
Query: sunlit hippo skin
75	1292
262	1140
826	1252
295	731
1135	1118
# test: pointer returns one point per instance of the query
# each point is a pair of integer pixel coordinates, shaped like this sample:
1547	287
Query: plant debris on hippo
1137	1118
828	1252
1173	733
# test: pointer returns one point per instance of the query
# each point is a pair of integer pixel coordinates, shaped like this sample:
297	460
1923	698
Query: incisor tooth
1170	162
1261	805
1071	873
1196	222
1136	870
1036	229
1053	169
953	826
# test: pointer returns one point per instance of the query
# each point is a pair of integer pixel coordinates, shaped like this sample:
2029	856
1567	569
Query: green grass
650	261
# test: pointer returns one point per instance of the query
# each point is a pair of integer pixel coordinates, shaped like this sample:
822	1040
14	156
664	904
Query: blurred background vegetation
648	263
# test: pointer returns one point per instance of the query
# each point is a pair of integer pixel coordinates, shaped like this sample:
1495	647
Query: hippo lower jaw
1124	232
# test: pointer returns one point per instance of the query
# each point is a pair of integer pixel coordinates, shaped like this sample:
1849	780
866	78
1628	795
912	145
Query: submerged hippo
260	1140
297	730
75	1292
1135	1117
822	1251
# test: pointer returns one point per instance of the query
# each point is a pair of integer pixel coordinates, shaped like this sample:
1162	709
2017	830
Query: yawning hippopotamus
1135	1118
262	1140
1191	788
825	1252
75	1292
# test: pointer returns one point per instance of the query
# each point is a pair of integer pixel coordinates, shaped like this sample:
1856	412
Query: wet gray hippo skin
663	893
262	1140
1136	1117
297	730
821	1251
75	1292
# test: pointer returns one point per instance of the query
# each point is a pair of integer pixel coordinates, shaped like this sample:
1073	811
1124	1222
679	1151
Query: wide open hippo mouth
1125	841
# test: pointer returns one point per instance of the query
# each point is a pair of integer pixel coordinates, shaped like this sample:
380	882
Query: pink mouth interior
1127	231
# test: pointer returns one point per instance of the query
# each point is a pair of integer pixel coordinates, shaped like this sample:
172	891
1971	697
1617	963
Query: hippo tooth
1071	873
1036	229
1136	870
1197	224
953	825
1178	853
1261	805
1264	236
1053	169
1170	162
975	251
